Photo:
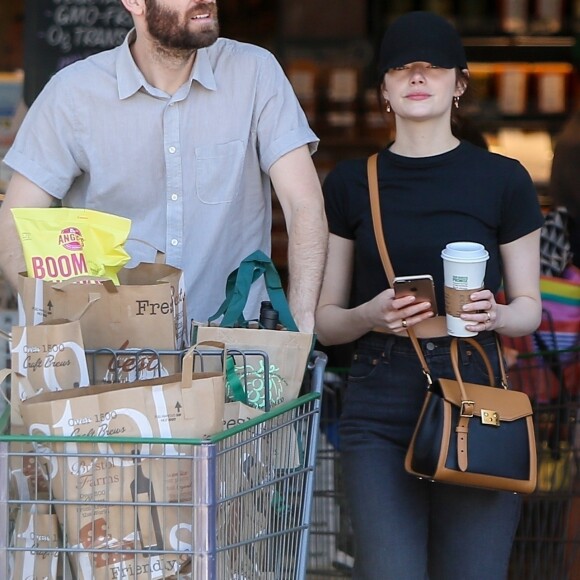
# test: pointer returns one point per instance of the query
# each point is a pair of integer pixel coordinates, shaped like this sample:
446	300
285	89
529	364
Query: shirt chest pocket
218	171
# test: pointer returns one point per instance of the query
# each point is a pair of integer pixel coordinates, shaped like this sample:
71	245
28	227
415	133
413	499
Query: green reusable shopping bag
287	349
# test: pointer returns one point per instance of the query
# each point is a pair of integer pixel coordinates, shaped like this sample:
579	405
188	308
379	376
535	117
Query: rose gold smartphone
420	286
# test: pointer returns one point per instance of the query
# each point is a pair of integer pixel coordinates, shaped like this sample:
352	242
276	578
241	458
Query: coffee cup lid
465	252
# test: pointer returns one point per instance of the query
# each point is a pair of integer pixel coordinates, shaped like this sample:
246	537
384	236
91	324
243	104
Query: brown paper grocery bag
244	519
147	310
287	351
28	476
148	519
36	535
278	442
236	413
181	405
268	448
51	356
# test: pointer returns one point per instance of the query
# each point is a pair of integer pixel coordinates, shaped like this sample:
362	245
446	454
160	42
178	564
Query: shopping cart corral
233	506
547	543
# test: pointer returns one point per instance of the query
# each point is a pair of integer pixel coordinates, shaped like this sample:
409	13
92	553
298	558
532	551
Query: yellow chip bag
62	243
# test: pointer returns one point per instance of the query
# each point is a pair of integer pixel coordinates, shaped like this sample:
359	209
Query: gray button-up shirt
189	169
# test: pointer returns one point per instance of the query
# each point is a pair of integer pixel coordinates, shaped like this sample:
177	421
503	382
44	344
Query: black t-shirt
467	194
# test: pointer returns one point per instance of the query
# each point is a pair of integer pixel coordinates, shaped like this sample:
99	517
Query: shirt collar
130	79
203	71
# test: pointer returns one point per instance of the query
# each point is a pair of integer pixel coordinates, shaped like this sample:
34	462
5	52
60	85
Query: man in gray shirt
184	133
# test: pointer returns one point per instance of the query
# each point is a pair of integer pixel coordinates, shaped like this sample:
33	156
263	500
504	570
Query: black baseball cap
421	37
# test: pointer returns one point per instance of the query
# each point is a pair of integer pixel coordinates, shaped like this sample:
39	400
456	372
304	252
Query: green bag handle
238	391
238	287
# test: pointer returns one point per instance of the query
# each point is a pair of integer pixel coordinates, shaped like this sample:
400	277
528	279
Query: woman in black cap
434	189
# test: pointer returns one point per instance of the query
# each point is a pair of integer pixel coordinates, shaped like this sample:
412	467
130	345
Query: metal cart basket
233	506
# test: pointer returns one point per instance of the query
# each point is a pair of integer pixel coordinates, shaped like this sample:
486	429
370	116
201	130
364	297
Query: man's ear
135	7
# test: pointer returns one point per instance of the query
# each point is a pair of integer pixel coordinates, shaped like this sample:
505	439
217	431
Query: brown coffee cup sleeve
456	299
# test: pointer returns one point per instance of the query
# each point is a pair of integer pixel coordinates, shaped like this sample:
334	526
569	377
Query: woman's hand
395	315
482	312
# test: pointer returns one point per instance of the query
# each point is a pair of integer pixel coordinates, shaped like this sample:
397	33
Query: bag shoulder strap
372	173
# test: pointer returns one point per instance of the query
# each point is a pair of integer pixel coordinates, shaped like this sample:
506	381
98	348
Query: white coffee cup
464	266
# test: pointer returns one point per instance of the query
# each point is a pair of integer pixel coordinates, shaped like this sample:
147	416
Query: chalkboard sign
60	32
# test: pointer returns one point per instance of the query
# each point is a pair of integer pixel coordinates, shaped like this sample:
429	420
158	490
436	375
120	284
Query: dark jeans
406	528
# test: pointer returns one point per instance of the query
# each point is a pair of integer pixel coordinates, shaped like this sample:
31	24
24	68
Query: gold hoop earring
456	102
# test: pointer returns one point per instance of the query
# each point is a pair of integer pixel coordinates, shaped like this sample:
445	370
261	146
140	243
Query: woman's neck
423	139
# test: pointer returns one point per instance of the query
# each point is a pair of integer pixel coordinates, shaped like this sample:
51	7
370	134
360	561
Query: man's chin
207	39
204	37
200	40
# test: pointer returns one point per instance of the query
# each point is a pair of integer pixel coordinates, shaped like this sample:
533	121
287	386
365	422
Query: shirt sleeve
45	149
280	121
521	212
335	192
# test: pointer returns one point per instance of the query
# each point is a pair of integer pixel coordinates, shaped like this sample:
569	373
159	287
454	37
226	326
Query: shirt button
430	346
172	149
174	242
174	197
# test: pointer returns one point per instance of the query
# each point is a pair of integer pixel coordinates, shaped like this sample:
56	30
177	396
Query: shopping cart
547	542
233	506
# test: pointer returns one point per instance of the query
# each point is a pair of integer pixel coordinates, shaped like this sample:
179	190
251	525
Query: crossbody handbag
467	434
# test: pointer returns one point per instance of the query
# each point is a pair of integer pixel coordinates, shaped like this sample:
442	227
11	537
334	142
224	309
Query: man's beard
164	26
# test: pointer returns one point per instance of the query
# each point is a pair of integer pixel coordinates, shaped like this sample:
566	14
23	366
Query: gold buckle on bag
467	408
490	417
